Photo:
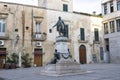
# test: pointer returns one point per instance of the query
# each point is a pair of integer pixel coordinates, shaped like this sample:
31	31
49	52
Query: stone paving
100	72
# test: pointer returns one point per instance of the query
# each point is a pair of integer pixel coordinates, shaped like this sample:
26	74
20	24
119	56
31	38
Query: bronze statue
55	58
60	27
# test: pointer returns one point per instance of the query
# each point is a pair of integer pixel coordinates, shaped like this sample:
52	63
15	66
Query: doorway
107	51
38	57
82	54
2	57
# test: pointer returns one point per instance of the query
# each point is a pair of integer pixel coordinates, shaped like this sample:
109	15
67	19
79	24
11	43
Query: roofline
87	14
82	13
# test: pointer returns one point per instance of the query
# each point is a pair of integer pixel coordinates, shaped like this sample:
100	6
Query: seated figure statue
55	58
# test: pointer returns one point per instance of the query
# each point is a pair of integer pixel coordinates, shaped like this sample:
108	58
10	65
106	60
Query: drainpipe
31	26
23	29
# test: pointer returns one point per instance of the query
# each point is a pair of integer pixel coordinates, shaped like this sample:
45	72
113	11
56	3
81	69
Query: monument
62	63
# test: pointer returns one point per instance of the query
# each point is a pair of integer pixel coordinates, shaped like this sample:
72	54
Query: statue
60	27
55	58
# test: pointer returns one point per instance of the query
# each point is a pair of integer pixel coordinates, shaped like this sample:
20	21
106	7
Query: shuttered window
67	31
65	7
96	34
82	34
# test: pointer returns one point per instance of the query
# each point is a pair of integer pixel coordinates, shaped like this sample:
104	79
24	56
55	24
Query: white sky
31	2
87	6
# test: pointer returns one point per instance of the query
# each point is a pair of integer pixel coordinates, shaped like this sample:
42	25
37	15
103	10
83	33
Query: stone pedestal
61	44
64	66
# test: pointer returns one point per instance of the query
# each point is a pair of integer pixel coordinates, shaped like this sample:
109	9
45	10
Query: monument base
63	67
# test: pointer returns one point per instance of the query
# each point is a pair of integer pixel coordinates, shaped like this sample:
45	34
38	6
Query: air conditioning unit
2	42
38	44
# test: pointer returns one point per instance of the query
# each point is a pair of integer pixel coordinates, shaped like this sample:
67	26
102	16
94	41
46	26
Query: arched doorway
82	54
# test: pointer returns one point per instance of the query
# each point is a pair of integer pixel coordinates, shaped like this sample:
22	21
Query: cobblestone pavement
100	72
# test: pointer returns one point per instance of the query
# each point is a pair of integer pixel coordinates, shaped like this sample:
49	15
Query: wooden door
2	57
82	54
38	57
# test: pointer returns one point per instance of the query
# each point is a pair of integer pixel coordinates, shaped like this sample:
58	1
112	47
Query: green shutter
82	36
66	33
96	33
65	7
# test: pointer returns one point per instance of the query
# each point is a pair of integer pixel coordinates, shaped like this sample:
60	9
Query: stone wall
19	16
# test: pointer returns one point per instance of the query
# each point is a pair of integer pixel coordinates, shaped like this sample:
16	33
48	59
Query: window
66	33
65	7
82	34
2	25
38	30
112	27
96	34
111	7
118	5
118	25
105	28
105	8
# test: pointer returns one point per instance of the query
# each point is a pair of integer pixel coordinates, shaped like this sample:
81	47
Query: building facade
111	25
26	29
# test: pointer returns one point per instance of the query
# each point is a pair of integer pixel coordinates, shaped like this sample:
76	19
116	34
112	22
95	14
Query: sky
86	6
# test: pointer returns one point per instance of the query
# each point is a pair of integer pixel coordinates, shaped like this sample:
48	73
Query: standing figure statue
60	27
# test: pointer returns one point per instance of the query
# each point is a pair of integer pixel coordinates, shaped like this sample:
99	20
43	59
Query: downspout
23	29
31	26
32	31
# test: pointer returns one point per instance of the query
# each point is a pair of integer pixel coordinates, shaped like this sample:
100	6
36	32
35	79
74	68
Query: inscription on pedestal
62	47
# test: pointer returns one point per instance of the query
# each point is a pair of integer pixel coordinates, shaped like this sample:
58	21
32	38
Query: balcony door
2	27
38	29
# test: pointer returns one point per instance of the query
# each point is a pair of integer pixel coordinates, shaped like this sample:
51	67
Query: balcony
39	36
4	36
82	41
96	42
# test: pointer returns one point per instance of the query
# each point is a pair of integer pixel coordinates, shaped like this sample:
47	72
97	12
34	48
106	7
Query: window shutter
65	7
82	33
96	34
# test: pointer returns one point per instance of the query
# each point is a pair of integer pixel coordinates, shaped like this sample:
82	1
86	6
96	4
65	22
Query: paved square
100	72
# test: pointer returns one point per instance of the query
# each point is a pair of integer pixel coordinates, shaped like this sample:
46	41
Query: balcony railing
82	41
4	36
96	42
39	36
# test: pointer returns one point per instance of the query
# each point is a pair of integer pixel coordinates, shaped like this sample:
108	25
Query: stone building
111	23
25	29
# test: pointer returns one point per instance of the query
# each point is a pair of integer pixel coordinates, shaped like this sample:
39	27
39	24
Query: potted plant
12	61
14	57
7	64
26	60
